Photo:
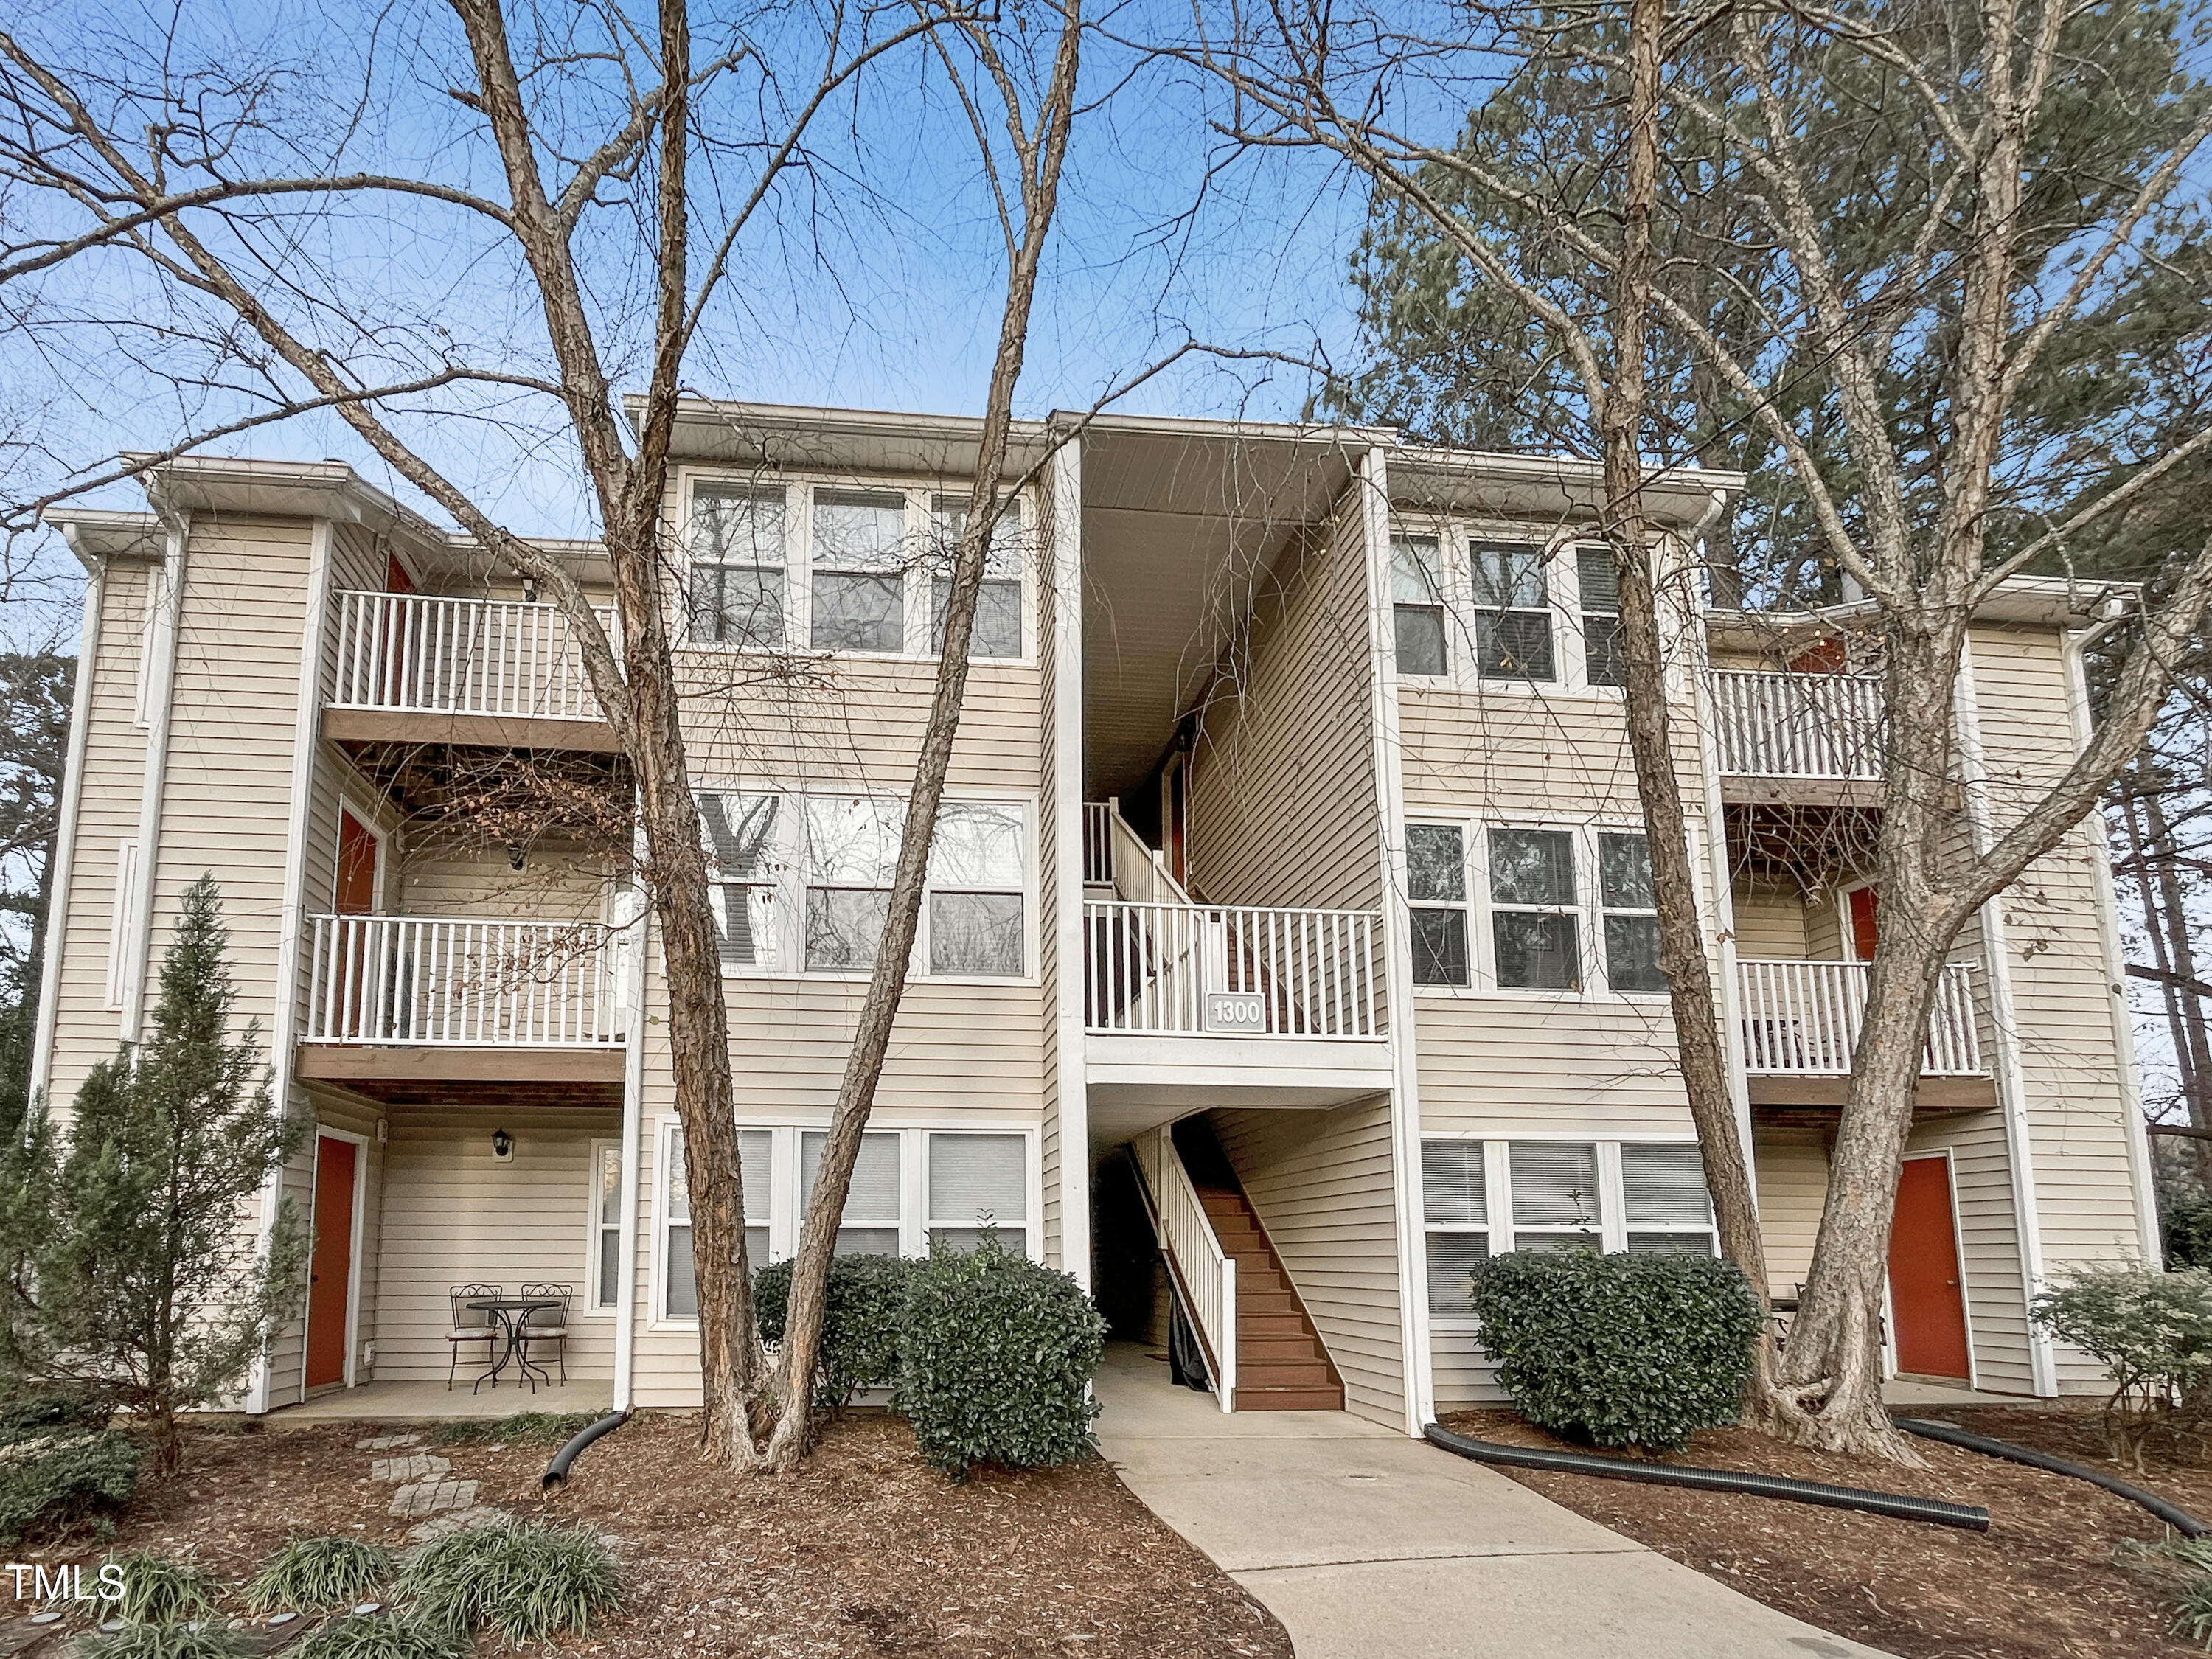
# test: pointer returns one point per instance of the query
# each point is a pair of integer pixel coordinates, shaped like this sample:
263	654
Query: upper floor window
738	561
1512	612
998	629
852	854
1597	582
1533	918
1626	895
1542	909
1435	889
739	831
1416	595
844	569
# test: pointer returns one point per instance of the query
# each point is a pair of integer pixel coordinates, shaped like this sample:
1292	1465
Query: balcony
399	1006
1801	739
1802	1021
416	668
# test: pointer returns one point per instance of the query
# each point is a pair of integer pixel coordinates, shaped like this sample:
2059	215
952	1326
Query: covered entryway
1927	1291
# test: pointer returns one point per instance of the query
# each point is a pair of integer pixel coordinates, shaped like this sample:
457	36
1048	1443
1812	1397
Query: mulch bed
2042	1581
866	1552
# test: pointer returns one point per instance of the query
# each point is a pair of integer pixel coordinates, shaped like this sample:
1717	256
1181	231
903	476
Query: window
1455	1204
975	1181
1556	1203
1631	926
852	852
1598	576
1532	909
1512	612
870	1225
858	566
679	1275
1418	604
976	925
736	565
1436	888
1663	1195
606	1224
998	631
739	831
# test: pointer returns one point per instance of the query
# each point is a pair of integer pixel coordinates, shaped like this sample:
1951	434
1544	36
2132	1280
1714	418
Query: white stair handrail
1206	1272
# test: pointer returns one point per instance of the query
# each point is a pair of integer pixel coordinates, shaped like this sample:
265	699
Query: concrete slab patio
1369	1544
431	1402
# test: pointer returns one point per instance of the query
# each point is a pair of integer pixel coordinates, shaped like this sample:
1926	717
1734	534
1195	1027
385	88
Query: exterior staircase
1281	1365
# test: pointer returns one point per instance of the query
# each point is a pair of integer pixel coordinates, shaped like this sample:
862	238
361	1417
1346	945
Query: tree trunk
1650	740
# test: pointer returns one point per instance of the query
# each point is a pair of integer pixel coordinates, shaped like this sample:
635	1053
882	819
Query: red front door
1866	922
356	883
329	1269
1924	1293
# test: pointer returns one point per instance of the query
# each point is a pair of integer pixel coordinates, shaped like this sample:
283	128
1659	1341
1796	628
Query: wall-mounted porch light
503	1146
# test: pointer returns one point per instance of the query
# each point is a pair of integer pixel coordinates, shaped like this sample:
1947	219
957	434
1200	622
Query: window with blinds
1557	1204
1597	576
1457	1207
1663	1199
978	1181
870	1225
679	1275
739	833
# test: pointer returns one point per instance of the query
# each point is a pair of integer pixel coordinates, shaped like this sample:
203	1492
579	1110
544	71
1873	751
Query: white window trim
1456	538
588	1306
1589	909
799	489
783	1223
119	951
787	903
1497	1192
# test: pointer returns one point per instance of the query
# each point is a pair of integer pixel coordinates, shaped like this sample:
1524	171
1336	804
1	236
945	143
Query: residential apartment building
1289	944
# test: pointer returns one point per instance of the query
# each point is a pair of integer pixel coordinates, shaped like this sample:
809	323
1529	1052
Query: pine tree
131	1228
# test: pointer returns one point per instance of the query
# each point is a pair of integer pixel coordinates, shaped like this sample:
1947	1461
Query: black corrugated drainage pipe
1895	1504
2180	1519
556	1472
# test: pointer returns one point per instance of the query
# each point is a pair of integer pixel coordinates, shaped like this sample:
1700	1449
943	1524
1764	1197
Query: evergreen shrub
863	1307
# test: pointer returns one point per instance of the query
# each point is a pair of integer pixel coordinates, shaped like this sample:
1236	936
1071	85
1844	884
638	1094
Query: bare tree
596	128
1964	292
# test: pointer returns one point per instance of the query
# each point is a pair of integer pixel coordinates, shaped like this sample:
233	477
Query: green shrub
157	1590
523	1428
2186	1219
995	1358
320	1574
28	1415
381	1636
63	1476
863	1305
1628	1350
527	1581
2151	1331
213	1638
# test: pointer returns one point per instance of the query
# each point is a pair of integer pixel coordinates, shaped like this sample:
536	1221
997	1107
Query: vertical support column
64	859
162	685
1074	1099
632	1128
284	1019
2011	1079
1370	497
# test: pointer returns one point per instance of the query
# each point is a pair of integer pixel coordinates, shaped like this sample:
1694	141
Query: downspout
2135	1129
161	672
1073	1094
632	1126
64	861
2012	1082
1370	492
290	922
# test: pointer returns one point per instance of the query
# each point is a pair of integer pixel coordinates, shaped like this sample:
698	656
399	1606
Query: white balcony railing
1802	1019
424	979
1797	725
416	653
1098	817
1206	1272
1216	970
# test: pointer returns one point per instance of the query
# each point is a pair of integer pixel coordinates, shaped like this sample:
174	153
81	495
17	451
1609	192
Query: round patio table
511	1314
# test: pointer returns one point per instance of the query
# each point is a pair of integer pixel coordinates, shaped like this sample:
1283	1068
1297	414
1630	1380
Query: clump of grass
316	1575
157	1590
2183	1569
523	1429
526	1580
382	1636
212	1639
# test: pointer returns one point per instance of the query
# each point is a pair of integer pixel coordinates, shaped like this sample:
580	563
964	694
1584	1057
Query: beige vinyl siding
85	1031
1989	1243
1793	1186
1321	1184
452	1214
2062	984
1528	1062
1284	803
1770	921
555	883
1056	776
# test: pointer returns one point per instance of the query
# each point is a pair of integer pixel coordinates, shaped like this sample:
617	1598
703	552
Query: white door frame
324	1131
1958	1261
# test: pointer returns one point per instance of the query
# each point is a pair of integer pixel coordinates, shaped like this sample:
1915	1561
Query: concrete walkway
1369	1544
